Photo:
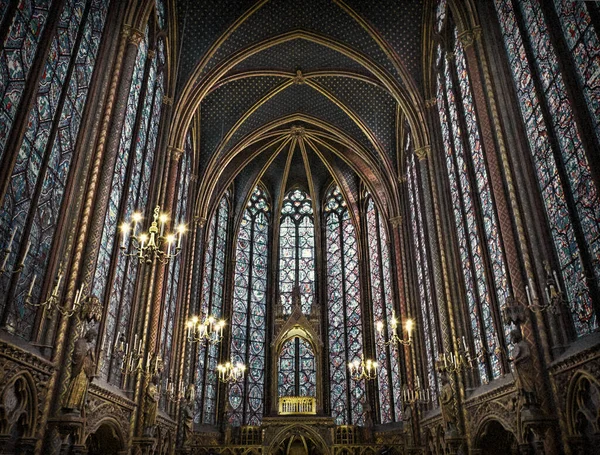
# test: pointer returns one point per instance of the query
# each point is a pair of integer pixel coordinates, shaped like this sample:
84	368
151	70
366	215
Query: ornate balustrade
297	405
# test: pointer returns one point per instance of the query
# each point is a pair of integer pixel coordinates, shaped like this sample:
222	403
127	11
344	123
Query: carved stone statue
188	412
447	404
82	372
151	405
524	371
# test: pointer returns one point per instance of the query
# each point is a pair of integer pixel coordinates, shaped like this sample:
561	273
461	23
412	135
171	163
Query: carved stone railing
297	405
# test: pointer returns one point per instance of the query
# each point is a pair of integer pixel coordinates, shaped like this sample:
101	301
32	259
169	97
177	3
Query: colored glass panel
56	116
344	322
550	93
468	274
467	193
249	326
16	57
114	322
584	46
297	373
389	383
297	250
422	271
212	304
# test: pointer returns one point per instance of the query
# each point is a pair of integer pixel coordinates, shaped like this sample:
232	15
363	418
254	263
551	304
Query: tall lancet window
480	248
248	324
560	142
344	327
426	299
297	375
390	406
34	199
213	281
116	274
297	250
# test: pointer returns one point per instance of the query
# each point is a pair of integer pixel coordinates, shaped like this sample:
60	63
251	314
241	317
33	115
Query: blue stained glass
297	374
553	186
466	191
248	326
422	267
345	326
390	409
490	223
118	315
161	13
584	44
16	58
468	277
440	14
297	246
35	144
212	304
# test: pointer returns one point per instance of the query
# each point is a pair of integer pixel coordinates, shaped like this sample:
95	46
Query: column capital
167	100
467	38
133	35
176	152
431	102
200	221
423	152
396	221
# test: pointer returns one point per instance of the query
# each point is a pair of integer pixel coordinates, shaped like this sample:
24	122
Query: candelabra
416	395
53	302
176	394
554	294
456	361
394	338
230	373
208	331
132	359
365	369
153	244
7	252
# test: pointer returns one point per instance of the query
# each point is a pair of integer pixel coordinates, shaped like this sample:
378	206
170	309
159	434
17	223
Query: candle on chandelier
31	285
8	248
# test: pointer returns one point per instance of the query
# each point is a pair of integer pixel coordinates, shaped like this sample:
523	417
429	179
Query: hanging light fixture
210	330
365	369
394	338
154	243
231	372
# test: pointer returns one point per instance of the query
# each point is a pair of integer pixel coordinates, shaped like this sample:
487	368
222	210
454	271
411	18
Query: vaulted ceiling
299	93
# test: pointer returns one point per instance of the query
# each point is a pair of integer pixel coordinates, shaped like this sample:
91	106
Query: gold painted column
149	330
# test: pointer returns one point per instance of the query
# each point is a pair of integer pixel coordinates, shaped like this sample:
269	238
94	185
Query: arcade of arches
299	227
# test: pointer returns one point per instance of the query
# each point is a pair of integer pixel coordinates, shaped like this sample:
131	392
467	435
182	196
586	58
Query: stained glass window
249	311
297	369
174	277
16	57
297	250
562	169
35	194
479	242
426	299
129	192
390	407
584	46
213	282
345	333
440	14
